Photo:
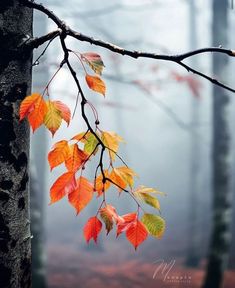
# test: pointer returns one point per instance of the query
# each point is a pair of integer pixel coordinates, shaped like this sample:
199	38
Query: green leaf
94	61
91	143
148	199
154	224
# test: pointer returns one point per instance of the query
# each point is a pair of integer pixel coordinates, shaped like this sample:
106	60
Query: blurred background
168	118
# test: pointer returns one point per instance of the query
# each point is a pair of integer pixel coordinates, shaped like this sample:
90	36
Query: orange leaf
64	185
96	83
111	140
136	233
92	229
64	110
81	137
125	221
100	187
82	195
28	104
76	158
59	153
35	108
122	176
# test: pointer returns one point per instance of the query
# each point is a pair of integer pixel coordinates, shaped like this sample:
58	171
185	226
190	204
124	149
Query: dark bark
221	234
15	84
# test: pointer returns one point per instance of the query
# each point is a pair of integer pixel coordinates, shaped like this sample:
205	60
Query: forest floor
69	267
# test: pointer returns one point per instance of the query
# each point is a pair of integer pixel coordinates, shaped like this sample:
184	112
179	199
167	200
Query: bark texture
222	204
15	84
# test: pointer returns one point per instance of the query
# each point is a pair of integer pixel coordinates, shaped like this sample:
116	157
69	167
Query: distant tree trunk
38	253
221	234
192	259
15	84
38	148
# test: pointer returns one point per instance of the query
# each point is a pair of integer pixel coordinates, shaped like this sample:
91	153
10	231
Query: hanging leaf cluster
75	154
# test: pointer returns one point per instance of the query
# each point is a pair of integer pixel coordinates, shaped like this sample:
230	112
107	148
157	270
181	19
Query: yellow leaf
148	199
53	118
123	176
144	189
111	141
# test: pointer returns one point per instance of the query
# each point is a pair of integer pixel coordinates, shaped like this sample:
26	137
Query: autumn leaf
91	143
53	118
76	158
136	233
33	107
94	61
123	176
154	224
92	229
89	140
148	199
64	185
143	195
144	189
108	214
59	153
81	137
111	141
64	111
28	104
125	221
101	187
82	195
96	83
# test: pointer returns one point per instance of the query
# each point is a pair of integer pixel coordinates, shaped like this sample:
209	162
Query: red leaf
92	229
136	233
125	221
82	195
64	185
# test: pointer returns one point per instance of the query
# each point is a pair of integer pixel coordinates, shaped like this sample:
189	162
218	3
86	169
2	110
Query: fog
155	114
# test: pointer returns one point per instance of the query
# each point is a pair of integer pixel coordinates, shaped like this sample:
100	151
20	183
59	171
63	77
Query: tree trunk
222	212
15	84
38	169
193	253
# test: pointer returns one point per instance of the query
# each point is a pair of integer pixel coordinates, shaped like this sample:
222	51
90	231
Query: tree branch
33	43
133	53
